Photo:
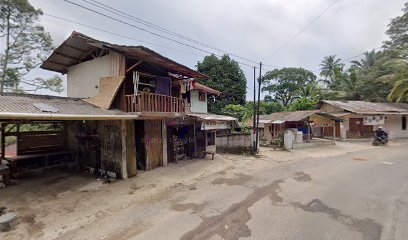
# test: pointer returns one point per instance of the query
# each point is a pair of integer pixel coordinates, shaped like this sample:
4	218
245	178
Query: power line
302	30
356	56
146	30
125	36
149	24
118	34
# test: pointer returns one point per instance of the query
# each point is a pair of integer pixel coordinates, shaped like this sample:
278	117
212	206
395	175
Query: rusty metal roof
78	45
362	107
18	106
290	116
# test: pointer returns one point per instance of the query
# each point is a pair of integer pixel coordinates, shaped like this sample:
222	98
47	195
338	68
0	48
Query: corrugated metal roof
262	120
398	105
290	116
214	117
19	105
362	107
79	45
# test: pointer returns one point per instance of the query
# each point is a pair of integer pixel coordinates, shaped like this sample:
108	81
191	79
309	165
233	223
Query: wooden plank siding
129	147
152	102
40	142
154	144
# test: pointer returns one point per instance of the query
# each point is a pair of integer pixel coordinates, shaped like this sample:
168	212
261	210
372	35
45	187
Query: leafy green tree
303	104
238	111
285	84
330	66
398	32
26	44
265	107
225	76
397	52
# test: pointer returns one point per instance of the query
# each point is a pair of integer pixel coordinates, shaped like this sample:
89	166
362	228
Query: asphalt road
360	192
358	195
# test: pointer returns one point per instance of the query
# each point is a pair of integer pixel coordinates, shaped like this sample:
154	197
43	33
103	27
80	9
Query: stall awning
278	122
213	117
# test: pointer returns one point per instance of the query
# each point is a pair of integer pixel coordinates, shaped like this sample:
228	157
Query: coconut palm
330	66
310	91
399	77
366	61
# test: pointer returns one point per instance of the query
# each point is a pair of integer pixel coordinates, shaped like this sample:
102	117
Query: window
201	96
404	122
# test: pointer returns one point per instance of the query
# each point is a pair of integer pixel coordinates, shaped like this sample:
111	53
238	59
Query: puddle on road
369	229
240	179
196	207
302	177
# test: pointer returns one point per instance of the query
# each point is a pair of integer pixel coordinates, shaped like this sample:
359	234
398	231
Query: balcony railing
152	102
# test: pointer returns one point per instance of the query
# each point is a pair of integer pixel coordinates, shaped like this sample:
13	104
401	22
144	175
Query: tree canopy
378	75
26	44
225	76
398	33
285	85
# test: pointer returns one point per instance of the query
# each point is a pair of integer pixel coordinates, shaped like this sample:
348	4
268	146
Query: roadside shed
52	131
304	124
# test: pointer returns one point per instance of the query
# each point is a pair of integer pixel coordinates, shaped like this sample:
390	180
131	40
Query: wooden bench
34	160
5	174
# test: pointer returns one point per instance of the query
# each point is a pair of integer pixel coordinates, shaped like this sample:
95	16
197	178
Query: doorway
140	145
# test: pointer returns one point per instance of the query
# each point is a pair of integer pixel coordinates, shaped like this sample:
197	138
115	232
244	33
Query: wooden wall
41	142
153	143
102	145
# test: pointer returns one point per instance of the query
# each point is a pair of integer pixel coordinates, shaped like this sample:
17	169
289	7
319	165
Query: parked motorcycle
380	137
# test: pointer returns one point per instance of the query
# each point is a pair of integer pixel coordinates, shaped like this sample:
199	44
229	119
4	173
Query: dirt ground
61	205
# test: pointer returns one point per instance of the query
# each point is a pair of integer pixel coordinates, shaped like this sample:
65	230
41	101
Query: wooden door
358	129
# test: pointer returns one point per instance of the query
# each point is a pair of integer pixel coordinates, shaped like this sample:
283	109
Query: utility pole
259	103
254	118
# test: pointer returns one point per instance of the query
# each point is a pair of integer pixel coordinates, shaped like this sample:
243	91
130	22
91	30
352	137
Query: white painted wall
267	133
198	106
83	78
393	125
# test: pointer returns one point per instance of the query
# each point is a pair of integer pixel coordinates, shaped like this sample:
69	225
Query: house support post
164	140
334	132
124	149
308	129
3	140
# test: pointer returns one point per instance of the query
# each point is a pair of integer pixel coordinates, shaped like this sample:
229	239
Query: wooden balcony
152	102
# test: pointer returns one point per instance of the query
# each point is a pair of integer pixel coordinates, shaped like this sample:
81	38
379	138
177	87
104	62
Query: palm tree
330	66
349	85
399	92
366	61
399	77
310	91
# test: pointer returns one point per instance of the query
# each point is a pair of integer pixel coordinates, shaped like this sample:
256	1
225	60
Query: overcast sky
251	29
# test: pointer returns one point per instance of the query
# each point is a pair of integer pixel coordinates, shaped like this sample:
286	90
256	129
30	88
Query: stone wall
235	143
